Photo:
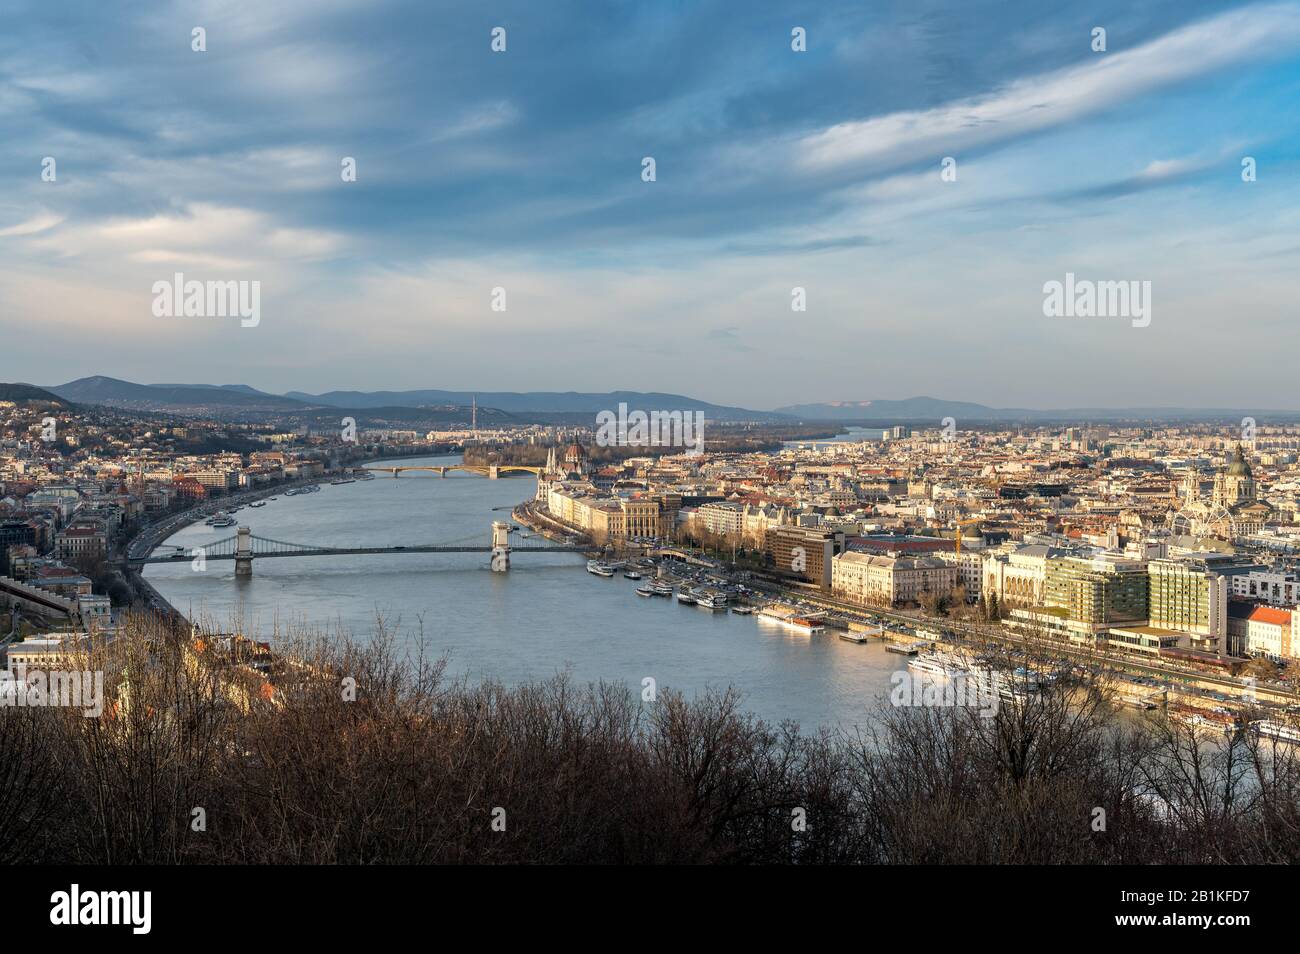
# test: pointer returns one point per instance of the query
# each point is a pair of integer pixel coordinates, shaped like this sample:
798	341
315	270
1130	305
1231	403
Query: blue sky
775	169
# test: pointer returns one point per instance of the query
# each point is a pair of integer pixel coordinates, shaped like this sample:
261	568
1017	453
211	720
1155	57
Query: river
546	615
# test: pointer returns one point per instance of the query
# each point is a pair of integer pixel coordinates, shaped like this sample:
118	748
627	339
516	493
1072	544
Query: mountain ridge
933	410
503	406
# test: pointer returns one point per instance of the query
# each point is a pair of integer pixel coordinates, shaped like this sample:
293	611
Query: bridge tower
500	546
492	472
243	553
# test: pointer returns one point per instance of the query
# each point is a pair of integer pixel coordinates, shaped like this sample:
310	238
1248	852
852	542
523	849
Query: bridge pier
243	553
500	546
492	472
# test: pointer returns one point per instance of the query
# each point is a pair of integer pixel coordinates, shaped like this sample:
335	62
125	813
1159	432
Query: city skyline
775	169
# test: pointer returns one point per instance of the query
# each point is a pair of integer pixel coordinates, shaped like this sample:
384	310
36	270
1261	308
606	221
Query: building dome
1238	467
575	452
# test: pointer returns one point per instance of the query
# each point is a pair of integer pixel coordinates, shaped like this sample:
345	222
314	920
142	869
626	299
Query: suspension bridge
245	547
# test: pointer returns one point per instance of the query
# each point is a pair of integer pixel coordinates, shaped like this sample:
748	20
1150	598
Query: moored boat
1272	729
927	664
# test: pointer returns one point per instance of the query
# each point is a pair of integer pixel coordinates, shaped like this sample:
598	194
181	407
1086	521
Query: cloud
1040	102
200	234
832	243
39	223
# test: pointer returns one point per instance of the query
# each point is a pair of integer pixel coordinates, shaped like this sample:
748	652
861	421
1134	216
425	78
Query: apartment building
724	518
1275	587
888	580
216	478
803	553
81	540
1190	594
1262	631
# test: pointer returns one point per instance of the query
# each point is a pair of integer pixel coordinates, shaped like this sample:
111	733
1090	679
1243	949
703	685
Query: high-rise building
804	553
1097	590
1190	594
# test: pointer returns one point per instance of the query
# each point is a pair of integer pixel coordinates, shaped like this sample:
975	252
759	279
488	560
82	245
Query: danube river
546	615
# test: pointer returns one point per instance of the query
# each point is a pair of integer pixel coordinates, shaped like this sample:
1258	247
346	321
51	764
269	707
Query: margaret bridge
490	471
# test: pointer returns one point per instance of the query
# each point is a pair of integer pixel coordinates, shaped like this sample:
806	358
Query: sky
774	169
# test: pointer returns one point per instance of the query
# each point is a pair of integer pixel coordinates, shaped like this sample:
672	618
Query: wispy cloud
39	223
1040	102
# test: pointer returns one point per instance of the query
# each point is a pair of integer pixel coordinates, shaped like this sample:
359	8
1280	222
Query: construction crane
960	524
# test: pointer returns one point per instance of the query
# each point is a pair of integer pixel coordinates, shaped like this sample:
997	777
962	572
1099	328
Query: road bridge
245	547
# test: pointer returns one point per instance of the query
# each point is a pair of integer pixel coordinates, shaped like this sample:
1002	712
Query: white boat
1213	722
712	601
661	589
599	569
631	575
1282	731
928	665
742	610
853	636
686	597
258	503
645	591
903	649
941	664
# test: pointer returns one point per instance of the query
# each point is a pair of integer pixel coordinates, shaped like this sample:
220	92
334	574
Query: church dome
1238	467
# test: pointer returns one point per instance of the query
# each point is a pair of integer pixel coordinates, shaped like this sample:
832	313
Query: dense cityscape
648	434
1165	549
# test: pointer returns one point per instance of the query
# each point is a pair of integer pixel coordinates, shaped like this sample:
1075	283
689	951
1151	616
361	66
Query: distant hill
494	407
431	406
524	403
910	409
172	397
29	392
933	410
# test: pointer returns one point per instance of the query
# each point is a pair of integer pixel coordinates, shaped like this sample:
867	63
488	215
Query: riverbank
149	537
1143	676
